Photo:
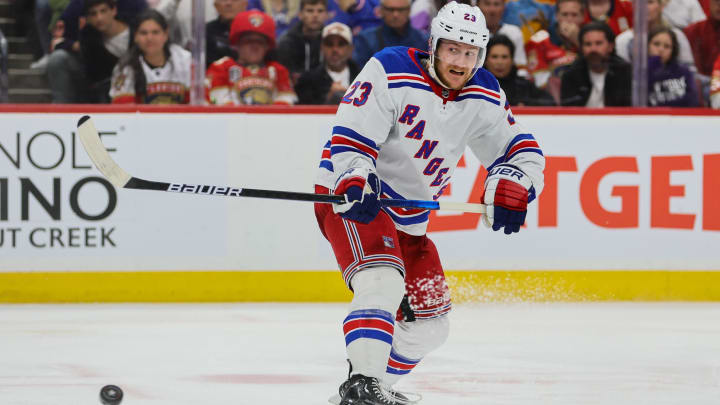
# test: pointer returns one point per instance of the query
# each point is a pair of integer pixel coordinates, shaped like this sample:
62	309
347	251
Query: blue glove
506	198
361	188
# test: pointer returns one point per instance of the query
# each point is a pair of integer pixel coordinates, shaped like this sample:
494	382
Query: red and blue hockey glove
506	197
360	187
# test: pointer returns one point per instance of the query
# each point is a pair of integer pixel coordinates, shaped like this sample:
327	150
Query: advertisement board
623	192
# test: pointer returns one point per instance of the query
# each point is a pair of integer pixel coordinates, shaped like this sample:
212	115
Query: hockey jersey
168	84
620	16
398	121
545	59
229	83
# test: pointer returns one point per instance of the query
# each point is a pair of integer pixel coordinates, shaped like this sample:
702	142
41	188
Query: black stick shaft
201	189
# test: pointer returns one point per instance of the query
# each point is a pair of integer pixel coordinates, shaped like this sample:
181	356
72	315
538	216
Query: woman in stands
670	83
153	71
519	91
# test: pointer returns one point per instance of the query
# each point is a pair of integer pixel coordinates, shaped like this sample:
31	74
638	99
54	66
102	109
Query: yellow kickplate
327	286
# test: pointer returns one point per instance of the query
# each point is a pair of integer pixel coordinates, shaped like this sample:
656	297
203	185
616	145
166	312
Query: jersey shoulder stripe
402	66
486	80
396	59
482	86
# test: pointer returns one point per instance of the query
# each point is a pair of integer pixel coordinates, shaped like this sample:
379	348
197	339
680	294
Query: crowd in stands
543	52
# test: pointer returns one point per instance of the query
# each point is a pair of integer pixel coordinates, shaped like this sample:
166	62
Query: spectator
624	41
299	49
704	37
73	14
327	83
493	12
253	78
618	14
570	15
217	31
681	13
153	71
715	85
283	12
598	77
423	11
178	33
530	15
670	84
43	15
356	14
80	71
394	31
549	53
519	90
56	28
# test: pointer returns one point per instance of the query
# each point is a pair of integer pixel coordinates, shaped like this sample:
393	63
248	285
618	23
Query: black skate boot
400	398
397	396
361	390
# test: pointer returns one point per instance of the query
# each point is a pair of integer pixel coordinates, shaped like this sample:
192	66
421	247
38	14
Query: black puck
111	395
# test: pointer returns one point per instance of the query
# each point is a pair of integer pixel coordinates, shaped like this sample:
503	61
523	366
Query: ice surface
560	354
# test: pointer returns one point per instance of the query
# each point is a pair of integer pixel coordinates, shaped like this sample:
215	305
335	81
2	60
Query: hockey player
399	132
253	78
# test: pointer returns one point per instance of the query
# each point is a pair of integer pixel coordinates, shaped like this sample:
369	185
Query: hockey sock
368	338
370	326
397	367
412	341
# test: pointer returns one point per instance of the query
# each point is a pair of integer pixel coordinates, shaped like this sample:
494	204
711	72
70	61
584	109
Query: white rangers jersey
397	120
168	84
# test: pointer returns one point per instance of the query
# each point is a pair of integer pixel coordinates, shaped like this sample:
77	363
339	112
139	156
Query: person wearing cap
327	83
399	132
299	47
252	78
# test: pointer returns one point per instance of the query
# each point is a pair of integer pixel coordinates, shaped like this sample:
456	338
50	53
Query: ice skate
404	398
361	390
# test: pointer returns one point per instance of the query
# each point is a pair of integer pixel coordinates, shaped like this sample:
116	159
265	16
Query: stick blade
99	155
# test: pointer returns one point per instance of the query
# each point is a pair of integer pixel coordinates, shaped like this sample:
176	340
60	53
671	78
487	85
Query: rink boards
631	210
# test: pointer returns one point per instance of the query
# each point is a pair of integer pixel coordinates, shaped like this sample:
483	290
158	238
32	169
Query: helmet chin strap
433	73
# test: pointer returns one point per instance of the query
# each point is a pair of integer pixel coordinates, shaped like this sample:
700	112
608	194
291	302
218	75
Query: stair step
29	96
27	78
18	44
7	25
20	60
6	8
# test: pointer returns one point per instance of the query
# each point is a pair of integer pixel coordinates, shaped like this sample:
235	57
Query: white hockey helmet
462	23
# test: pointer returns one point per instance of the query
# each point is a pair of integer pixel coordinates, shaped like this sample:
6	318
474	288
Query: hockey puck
111	395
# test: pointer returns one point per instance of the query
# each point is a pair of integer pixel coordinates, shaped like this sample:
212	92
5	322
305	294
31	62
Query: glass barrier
561	59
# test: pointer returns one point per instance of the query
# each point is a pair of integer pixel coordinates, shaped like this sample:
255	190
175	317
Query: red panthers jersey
229	83
544	57
620	18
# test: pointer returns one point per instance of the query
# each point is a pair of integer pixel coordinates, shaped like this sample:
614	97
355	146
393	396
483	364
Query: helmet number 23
365	88
470	17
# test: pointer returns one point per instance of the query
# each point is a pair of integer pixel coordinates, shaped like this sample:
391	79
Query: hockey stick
120	178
